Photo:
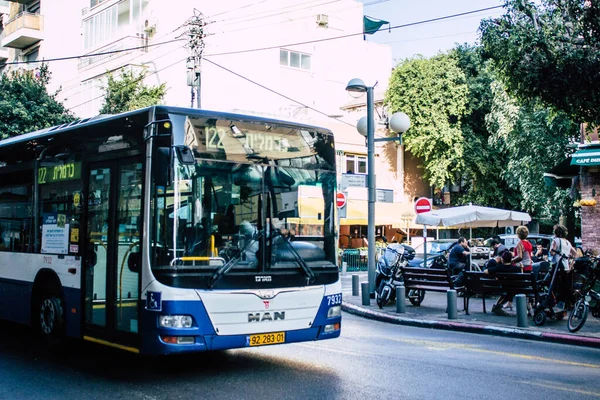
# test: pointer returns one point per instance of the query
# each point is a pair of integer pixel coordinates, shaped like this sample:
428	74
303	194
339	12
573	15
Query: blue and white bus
170	230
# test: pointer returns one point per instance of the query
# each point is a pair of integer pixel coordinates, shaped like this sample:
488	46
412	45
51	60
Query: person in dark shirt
540	253
503	264
457	260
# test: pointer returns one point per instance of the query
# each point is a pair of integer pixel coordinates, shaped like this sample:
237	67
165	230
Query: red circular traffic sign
423	204
340	199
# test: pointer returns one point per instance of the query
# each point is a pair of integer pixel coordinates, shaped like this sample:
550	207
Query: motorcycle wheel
379	301
539	318
416	297
578	315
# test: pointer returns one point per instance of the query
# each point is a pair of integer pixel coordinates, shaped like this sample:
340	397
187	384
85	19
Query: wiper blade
310	275
225	268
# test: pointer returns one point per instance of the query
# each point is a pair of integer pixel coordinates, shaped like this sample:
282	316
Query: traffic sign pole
423	205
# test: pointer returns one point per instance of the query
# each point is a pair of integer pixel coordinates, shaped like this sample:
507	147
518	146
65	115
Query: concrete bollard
400	302
355	285
366	299
451	307
521	301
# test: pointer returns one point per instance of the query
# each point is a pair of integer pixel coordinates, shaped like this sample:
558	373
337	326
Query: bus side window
15	216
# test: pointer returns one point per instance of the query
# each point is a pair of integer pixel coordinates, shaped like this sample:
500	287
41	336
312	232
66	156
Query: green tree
26	105
433	93
129	92
483	160
533	138
549	52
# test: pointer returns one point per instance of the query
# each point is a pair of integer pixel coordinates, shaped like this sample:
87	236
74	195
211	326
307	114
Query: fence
356	259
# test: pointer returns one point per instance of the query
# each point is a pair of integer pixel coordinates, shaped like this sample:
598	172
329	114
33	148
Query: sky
430	38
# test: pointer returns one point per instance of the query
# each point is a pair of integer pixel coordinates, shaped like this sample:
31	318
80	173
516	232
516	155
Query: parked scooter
387	271
588	294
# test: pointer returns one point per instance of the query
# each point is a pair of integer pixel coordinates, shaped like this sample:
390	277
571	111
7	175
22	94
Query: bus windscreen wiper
310	275
225	268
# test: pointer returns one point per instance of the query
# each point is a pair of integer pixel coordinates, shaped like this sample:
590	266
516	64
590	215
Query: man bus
166	230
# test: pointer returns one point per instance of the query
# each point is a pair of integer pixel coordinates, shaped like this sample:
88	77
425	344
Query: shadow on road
86	366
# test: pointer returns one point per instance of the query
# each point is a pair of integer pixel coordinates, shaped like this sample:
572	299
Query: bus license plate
267	338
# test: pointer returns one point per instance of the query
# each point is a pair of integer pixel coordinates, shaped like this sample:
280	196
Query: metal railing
24	20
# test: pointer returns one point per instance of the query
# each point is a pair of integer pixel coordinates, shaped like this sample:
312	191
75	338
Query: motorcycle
388	272
588	295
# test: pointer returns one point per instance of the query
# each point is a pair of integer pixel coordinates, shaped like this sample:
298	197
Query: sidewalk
431	314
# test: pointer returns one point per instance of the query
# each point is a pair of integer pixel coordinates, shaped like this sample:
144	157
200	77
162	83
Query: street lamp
399	123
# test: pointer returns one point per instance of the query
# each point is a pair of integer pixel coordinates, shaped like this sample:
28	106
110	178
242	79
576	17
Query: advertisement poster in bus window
55	234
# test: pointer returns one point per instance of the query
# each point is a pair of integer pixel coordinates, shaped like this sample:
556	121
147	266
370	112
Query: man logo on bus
266	303
266	316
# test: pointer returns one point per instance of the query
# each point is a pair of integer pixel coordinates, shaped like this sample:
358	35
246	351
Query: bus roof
88	122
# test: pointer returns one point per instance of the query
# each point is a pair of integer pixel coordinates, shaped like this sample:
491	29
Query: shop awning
586	157
562	174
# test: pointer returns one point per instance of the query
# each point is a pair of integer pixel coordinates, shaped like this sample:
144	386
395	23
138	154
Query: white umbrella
472	217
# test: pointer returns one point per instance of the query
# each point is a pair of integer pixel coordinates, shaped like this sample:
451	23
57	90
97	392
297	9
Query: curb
474	328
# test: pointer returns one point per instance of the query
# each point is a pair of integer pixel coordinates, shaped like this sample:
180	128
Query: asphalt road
370	360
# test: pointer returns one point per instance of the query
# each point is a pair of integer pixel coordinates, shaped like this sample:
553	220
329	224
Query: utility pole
196	45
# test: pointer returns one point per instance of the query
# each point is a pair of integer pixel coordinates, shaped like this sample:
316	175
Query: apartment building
289	59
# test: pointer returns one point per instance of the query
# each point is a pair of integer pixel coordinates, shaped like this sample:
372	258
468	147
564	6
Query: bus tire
49	317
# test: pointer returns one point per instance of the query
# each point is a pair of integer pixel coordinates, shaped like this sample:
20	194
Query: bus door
113	234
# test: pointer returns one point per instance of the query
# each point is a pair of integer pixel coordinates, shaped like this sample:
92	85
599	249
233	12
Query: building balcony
114	50
23	30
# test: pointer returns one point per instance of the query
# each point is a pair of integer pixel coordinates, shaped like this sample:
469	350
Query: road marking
445	346
545	385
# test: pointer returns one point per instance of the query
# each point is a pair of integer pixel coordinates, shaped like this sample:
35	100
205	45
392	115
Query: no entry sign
340	199
423	204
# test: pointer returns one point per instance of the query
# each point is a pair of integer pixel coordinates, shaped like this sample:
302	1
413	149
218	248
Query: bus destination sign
58	173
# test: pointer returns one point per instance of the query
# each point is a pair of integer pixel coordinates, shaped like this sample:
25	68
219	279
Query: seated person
457	260
502	263
540	253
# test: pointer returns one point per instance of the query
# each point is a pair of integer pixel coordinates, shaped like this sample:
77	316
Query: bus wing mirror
185	155
134	261
162	166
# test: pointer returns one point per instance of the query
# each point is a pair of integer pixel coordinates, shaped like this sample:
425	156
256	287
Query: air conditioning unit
322	19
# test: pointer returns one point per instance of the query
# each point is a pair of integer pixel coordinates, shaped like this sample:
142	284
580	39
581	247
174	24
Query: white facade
289	59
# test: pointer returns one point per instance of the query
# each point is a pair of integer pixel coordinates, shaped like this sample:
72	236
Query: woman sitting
503	264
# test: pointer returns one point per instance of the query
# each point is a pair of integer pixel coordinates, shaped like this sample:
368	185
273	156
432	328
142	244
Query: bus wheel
50	316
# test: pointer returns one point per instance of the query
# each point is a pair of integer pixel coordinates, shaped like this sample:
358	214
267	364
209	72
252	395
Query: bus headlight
334	311
175	321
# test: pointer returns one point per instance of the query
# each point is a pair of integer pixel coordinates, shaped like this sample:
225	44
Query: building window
117	21
294	60
356	164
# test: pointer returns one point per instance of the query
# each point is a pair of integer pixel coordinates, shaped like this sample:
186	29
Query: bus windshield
256	209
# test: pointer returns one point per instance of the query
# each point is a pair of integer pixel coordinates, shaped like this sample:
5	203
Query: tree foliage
26	105
534	139
549	52
433	92
128	92
466	128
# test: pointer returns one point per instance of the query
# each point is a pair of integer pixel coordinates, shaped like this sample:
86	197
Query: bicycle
588	297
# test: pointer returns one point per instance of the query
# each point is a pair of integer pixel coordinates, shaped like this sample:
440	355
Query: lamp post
399	123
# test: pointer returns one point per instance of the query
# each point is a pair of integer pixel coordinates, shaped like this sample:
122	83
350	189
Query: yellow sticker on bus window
75	235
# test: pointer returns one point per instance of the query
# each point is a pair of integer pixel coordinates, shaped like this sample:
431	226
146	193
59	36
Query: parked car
510	241
437	251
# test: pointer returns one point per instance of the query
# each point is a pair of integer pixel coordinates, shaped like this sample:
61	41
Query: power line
277	11
90	55
273	91
136	81
356	34
248	50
